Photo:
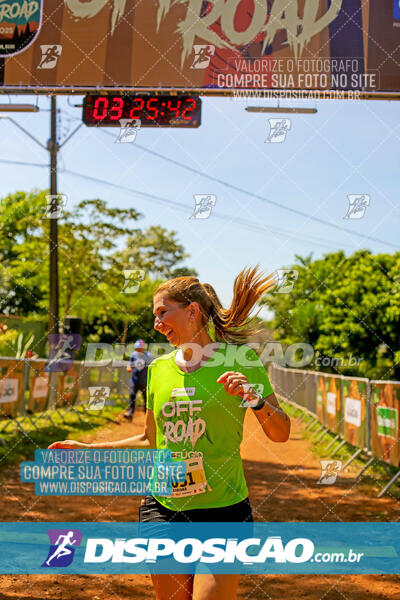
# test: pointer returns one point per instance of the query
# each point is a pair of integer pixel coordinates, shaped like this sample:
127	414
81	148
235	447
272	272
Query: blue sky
348	147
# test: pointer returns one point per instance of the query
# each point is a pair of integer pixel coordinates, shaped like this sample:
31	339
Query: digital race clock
153	111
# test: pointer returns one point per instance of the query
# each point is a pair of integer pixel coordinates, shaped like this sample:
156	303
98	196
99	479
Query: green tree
20	224
344	306
156	251
96	245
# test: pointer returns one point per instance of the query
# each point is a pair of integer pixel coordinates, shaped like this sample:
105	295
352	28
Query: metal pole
391	482
369	408
332	442
301	418
311	424
321	435
317	431
342	443
365	467
52	147
356	453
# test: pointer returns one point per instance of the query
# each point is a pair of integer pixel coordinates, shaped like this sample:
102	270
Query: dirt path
282	481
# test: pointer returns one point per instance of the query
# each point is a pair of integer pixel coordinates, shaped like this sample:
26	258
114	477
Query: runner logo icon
358	204
97	397
203	205
285	280
60	552
128	131
278	130
329	471
50	55
202	55
55	205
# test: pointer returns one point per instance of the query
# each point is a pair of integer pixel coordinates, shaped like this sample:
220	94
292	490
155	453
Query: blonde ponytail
234	324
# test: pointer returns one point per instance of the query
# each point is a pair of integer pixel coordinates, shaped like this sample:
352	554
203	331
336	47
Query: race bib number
195	482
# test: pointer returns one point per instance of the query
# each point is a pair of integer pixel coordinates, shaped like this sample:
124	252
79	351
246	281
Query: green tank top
203	425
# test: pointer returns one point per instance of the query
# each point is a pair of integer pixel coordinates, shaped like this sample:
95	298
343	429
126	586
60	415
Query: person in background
139	362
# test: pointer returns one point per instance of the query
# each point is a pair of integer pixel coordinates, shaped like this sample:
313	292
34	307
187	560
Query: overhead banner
385	428
350	45
20	24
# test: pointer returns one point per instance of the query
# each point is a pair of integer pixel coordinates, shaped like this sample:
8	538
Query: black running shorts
152	511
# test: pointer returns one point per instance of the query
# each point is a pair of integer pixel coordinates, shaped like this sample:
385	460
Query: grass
64	424
377	475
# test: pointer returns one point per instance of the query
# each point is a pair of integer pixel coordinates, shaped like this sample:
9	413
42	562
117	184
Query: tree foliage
344	306
96	245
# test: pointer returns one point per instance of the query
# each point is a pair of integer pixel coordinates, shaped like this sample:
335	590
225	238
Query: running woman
196	402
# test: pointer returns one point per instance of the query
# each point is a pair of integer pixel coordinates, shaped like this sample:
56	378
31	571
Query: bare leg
173	587
215	587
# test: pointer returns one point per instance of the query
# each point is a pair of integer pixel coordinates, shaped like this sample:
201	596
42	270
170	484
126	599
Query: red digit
174	109
100	108
139	108
151	108
194	104
118	108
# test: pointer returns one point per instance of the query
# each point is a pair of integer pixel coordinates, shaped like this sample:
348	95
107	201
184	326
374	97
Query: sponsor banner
354	411
332	404
385	431
257	548
41	386
20	23
304	45
11	387
68	385
8	390
38	386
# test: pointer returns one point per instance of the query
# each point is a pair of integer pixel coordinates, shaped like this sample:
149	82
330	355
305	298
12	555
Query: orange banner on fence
38	386
68	386
11	387
385	430
355	411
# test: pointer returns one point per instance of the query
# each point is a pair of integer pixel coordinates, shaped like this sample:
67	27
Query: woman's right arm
147	439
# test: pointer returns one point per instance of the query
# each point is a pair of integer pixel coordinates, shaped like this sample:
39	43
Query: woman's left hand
235	384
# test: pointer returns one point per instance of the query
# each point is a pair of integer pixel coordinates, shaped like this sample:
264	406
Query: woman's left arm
274	421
